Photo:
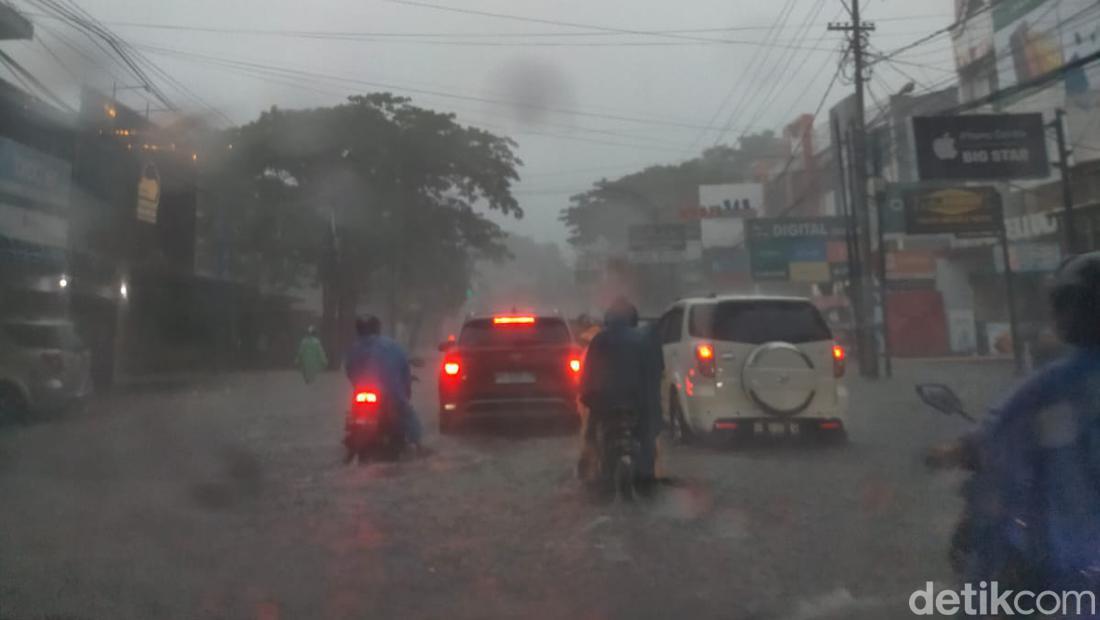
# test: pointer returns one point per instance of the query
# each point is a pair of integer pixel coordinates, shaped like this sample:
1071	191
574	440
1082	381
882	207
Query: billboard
1027	37
936	211
810	250
981	147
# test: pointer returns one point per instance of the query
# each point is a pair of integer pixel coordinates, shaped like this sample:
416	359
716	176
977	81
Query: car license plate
512	378
777	428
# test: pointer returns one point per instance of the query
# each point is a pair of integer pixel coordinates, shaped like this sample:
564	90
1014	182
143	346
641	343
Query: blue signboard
35	177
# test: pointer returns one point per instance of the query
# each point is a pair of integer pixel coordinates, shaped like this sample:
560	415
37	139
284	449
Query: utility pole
1067	180
865	332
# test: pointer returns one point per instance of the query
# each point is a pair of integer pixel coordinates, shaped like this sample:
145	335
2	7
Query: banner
981	147
934	211
810	250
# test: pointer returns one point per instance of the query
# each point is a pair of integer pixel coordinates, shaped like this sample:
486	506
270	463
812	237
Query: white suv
750	366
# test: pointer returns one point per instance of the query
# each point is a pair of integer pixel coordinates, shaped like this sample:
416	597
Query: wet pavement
229	499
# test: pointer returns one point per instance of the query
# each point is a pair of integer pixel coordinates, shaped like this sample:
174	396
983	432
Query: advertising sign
808	250
911	265
732	200
34	176
974	210
973	40
1030	257
649	237
963	331
981	147
1027	37
148	194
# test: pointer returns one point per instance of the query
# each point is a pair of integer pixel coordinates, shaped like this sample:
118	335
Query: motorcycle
618	451
372	430
955	456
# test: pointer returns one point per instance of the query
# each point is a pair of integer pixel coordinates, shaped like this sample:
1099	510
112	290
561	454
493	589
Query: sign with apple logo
981	147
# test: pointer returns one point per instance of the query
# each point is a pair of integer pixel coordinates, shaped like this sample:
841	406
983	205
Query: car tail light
574	364
725	426
513	320
452	365
366	398
830	425
840	356
53	362
704	358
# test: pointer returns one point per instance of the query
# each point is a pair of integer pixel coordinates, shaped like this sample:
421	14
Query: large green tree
375	197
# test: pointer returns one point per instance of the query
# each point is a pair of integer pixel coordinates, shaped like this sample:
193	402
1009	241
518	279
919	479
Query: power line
17	68
309	74
775	89
780	21
266	74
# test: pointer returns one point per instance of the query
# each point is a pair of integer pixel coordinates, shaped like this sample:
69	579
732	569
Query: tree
373	190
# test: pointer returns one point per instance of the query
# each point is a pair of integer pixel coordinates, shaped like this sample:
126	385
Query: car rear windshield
759	322
32	336
485	333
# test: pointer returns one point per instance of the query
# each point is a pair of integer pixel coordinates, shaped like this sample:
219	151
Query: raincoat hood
621	314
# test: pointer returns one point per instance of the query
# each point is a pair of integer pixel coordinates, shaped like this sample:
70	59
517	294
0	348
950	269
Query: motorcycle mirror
941	398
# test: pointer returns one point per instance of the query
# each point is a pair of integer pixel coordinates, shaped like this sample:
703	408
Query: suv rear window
759	322
33	336
484	333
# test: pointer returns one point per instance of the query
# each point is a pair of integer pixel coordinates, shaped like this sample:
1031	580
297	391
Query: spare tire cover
779	378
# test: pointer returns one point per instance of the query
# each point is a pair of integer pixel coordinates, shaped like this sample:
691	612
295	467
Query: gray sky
669	85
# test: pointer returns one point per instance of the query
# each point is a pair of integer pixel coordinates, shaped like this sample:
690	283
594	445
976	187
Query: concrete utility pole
1064	154
865	330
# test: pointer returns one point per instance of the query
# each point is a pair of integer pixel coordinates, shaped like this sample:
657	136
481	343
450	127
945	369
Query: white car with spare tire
741	366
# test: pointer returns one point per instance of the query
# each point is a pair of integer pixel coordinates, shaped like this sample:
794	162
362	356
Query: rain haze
561	309
551	75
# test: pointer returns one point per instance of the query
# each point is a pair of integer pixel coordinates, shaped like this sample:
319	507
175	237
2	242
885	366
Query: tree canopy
374	197
662	190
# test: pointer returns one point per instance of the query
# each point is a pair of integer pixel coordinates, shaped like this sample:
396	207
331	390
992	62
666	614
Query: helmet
368	325
1075	298
621	311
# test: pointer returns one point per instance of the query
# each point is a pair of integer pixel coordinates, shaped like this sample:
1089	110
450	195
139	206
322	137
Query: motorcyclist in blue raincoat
376	359
1034	502
622	370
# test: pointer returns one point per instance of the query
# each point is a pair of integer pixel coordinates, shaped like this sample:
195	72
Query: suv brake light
704	360
451	368
366	397
840	356
513	320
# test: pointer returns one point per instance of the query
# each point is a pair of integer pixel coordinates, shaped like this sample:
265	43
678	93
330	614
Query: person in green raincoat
311	356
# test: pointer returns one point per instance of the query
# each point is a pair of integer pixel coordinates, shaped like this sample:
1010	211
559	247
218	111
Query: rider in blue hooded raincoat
376	359
622	370
1034	502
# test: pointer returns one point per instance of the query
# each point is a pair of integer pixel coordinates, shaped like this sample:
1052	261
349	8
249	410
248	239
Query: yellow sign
148	194
810	272
954	202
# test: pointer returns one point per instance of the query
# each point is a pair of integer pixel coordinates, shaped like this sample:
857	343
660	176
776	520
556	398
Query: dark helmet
620	312
1075	298
368	325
